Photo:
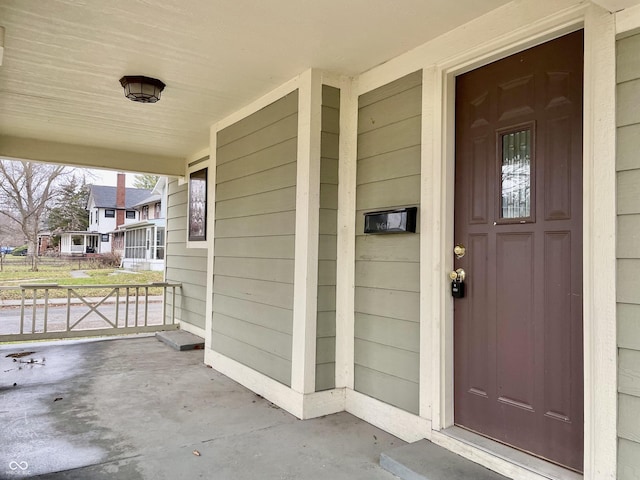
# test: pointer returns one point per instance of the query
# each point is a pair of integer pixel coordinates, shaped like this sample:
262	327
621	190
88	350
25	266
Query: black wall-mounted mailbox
400	220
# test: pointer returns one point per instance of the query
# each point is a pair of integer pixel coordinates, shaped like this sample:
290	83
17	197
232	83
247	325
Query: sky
106	177
103	177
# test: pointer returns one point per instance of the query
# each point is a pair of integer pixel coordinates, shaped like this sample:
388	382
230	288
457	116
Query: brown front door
518	213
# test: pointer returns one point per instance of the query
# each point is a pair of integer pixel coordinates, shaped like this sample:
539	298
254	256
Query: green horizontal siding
628	254
255	237
387	280
187	266
326	319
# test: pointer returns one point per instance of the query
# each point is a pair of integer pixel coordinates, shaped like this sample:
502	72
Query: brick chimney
121	198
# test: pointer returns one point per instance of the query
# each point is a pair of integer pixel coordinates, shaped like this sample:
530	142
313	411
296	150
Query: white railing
76	313
77	248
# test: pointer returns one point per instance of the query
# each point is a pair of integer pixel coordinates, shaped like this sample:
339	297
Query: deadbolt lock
458	274
457	283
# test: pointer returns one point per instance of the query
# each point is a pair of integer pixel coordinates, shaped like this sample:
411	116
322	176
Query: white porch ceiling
63	59
616	5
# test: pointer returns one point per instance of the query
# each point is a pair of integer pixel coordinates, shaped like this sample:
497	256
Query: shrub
108	260
104	260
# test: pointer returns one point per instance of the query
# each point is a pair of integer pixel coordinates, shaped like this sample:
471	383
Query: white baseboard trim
324	403
272	390
301	406
187	327
404	425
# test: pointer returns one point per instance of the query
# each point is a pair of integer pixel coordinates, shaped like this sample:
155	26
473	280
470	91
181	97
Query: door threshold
509	456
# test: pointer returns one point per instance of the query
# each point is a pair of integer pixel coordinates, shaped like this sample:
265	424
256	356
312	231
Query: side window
198	205
109	213
131	214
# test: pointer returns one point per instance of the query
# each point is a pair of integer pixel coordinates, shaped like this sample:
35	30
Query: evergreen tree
146	181
69	210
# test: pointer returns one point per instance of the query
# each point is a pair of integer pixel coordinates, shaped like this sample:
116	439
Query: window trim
106	210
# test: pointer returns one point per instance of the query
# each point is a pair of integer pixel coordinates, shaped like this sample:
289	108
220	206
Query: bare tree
25	190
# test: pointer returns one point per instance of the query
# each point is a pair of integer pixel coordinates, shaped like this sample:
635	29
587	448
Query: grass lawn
16	271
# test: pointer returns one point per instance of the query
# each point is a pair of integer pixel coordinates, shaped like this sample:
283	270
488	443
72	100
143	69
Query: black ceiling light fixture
142	89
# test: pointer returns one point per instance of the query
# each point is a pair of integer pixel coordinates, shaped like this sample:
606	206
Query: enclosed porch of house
141	245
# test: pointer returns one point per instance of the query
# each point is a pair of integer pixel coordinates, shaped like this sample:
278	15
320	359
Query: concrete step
181	340
424	460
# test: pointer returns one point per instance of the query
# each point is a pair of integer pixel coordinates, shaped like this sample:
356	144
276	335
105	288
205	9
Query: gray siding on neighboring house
254	239
326	327
628	254
387	297
187	266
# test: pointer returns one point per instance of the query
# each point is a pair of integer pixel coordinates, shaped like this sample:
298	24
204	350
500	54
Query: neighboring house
71	243
512	126
79	243
109	208
45	239
141	243
44	242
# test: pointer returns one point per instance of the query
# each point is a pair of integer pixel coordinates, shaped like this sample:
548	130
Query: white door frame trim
600	368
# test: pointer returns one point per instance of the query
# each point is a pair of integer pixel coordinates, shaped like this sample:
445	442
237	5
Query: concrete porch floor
137	409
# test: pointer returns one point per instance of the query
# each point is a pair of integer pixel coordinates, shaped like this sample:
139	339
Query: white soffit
63	60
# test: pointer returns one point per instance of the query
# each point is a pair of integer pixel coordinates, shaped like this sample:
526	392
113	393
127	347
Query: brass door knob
459	250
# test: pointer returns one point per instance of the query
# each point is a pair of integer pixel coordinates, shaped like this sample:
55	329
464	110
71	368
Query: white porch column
346	246
599	185
305	288
154	242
